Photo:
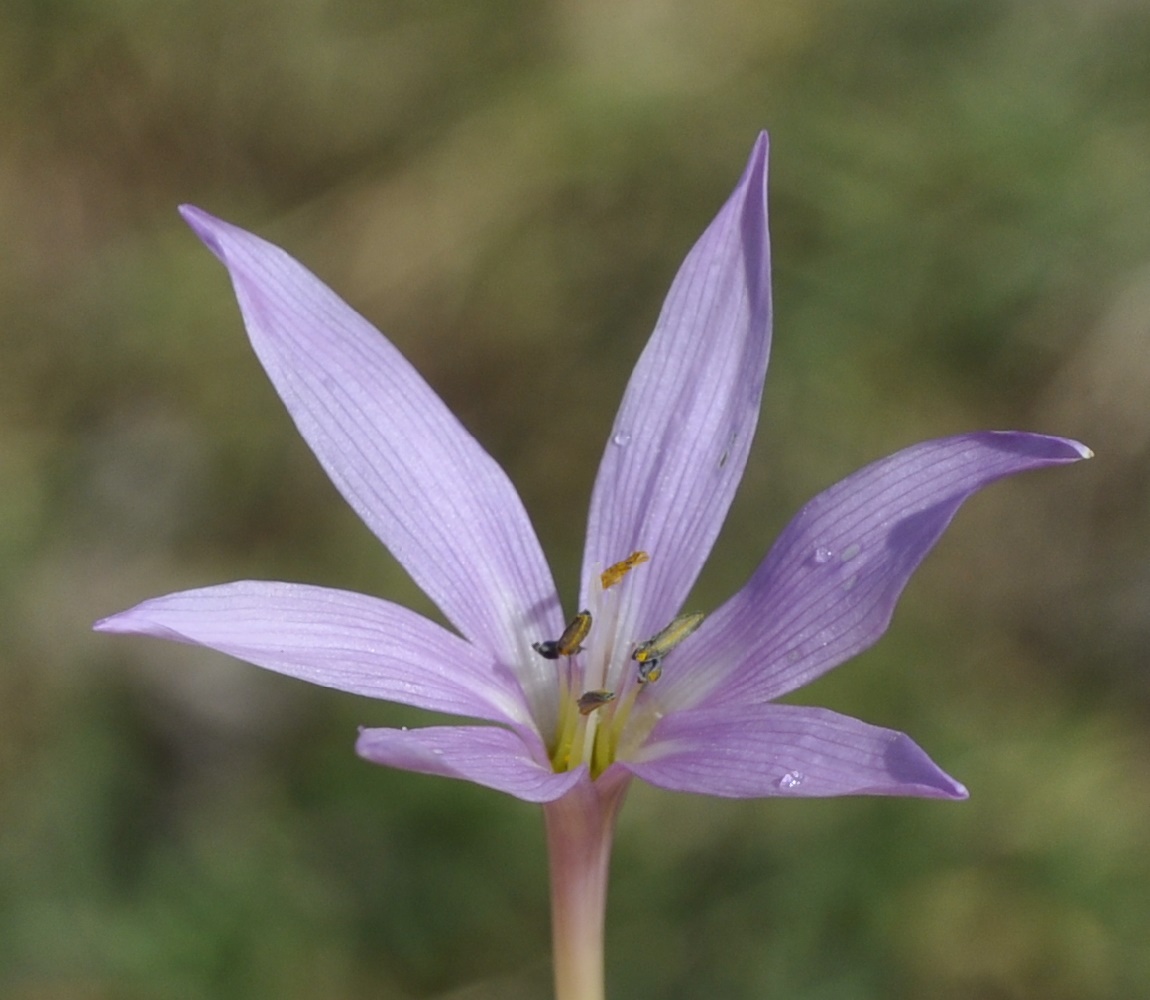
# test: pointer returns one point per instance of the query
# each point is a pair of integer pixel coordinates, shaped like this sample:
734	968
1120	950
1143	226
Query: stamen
650	671
592	700
649	654
613	574
568	643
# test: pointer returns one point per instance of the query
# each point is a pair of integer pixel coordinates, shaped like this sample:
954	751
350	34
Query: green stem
580	830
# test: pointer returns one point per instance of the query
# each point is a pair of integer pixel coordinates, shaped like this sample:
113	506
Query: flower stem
580	830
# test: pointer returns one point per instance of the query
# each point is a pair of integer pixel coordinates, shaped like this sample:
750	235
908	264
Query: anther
649	654
568	643
613	574
594	699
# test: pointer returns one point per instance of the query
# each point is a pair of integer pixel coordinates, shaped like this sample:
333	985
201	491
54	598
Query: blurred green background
961	222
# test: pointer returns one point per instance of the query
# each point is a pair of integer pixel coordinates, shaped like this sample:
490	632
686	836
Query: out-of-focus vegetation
961	219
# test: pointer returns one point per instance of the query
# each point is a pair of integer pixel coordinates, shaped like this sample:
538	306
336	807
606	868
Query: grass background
960	204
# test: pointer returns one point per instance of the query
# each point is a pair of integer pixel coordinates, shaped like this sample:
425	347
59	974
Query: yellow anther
648	654
613	574
568	643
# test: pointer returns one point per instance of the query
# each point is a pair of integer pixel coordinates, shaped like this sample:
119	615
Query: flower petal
828	588
426	488
786	750
682	435
338	639
486	755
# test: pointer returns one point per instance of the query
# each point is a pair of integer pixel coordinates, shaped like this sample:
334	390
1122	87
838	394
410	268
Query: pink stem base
580	831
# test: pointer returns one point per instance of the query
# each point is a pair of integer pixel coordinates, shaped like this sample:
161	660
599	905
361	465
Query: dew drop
850	552
823	554
437	751
792	779
850	581
622	439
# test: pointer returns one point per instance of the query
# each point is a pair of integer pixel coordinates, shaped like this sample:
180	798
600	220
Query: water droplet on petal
850	581
792	779
823	554
850	552
437	751
621	438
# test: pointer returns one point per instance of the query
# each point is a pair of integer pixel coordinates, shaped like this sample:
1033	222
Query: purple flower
571	708
701	717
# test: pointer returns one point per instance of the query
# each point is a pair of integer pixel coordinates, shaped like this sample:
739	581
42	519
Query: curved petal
337	639
828	588
786	750
426	488
486	755
681	438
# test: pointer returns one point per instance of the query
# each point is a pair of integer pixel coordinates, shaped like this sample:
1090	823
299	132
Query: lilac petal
682	435
487	755
335	638
786	750
828	588
426	488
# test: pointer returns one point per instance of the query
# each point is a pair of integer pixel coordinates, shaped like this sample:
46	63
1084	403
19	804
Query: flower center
603	710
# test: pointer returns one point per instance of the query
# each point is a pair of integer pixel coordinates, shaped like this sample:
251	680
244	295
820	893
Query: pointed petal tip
918	775
132	623
206	226
118	624
754	174
1047	447
1071	450
197	218
935	783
